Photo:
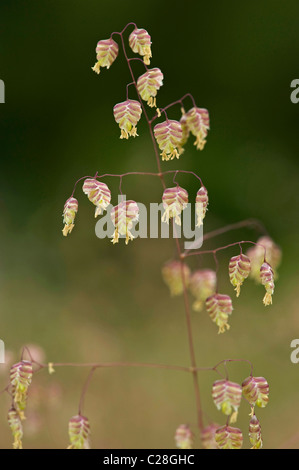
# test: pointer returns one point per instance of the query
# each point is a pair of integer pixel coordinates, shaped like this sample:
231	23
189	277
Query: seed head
267	279
208	436
16	427
20	379
239	270
202	285
175	200
256	391
98	193
183	437
265	248
201	205
227	397
198	123
127	115
69	213
172	276
123	216
219	307
255	435
79	432
149	84
140	42
169	136
229	438
107	51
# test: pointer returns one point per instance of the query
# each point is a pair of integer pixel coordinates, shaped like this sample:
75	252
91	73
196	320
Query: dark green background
82	299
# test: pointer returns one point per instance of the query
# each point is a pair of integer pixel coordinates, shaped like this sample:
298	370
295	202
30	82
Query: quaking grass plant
260	262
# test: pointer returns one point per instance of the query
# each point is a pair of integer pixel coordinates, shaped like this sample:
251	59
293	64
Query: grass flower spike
16	427
264	248
169	135
140	42
255	434
202	285
219	307
98	193
123	216
239	270
69	213
175	200
149	84
20	379
198	123
201	205
107	51
172	276
229	438
79	432
183	437
127	115
256	391
267	279
208	436
227	397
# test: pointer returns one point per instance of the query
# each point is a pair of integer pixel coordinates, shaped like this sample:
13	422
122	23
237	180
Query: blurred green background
81	299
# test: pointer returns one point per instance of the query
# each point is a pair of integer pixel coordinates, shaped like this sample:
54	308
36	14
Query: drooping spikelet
140	42
267	279
69	213
79	432
183	437
239	270
256	391
169	135
227	397
98	193
172	276
107	51
228	437
16	427
175	200
149	84
255	434
264	248
202	285
201	205
123	216
208	436
127	114
20	379
198	122
219	307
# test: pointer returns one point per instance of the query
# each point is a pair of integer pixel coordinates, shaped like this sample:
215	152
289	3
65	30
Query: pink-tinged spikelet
140	42
175	200
98	193
198	123
127	115
69	213
201	205
169	135
264	248
255	433
227	397
123	216
219	307
172	276
20	379
208	436
228	437
79	432
202	285
183	437
239	270
107	51
267	279
148	85
256	391
16	427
